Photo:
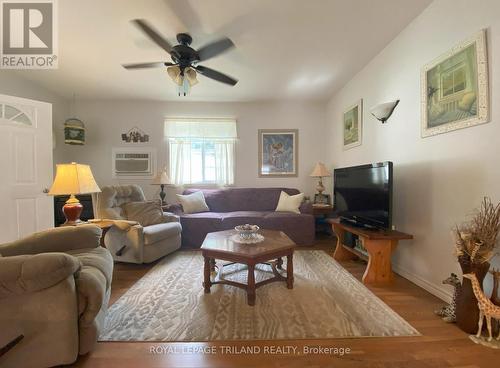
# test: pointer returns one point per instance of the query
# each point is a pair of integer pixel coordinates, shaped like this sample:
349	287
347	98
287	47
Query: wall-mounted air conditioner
134	163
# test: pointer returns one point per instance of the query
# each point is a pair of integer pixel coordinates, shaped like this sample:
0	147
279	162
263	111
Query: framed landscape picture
278	152
455	88
353	125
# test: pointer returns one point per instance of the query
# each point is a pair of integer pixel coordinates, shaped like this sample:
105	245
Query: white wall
12	84
441	179
106	120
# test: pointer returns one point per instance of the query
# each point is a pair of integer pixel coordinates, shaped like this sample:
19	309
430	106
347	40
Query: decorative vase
467	311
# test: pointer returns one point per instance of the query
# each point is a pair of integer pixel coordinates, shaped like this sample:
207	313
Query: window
14	115
201	150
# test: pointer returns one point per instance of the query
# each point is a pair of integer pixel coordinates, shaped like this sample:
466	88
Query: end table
321	213
104	225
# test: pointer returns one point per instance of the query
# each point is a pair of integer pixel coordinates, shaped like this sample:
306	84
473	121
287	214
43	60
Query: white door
25	167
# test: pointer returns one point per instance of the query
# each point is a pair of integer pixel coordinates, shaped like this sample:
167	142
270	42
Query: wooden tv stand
379	245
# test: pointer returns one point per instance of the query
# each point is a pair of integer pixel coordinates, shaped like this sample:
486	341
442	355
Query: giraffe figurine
495	299
448	311
486	308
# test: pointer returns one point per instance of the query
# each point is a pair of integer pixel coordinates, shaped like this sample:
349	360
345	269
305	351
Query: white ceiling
285	49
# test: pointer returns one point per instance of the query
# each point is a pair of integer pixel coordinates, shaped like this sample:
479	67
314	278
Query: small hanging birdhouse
74	132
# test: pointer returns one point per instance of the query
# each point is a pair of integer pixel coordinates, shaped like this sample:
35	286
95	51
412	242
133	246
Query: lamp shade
162	178
73	178
383	111
320	171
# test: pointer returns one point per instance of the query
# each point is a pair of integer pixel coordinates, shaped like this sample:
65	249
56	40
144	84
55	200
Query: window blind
200	128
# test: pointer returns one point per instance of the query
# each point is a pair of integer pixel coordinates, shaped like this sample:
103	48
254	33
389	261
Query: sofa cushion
289	220
145	213
156	233
288	203
242	199
232	219
193	202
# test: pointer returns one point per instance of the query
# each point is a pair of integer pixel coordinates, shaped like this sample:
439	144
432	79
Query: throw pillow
193	203
288	203
145	213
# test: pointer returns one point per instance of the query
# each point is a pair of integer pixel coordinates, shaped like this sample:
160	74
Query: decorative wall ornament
353	125
278	152
454	88
135	135
74	132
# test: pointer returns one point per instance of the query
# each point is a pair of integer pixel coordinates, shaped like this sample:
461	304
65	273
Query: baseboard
438	291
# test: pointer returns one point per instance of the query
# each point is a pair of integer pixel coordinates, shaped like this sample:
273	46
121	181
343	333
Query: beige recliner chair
135	243
54	290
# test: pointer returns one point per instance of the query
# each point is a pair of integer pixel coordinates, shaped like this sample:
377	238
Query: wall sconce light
383	111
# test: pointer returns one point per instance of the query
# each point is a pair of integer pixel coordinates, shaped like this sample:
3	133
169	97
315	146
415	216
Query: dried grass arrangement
478	238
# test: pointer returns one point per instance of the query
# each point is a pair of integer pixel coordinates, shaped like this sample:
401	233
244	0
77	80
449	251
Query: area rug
169	304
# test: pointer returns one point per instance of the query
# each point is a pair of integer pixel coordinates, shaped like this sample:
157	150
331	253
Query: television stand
379	245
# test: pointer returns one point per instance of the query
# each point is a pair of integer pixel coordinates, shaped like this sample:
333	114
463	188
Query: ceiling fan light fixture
184	88
190	75
174	72
184	67
184	80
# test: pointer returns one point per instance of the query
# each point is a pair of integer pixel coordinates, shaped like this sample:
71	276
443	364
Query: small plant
478	238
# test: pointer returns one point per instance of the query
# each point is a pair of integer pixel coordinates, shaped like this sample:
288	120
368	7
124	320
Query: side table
104	226
321	213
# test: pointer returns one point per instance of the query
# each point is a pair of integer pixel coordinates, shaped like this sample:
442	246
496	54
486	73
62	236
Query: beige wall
12	84
438	180
106	120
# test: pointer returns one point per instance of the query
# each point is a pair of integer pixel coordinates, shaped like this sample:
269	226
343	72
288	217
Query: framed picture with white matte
455	88
352	125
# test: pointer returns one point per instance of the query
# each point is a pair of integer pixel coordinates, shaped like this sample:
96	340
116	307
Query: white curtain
224	162
180	161
182	132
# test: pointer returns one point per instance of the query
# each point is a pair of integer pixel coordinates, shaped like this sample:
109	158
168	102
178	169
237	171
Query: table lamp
162	179
72	179
320	171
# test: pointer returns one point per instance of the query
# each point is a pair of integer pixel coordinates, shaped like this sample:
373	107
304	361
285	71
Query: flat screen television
363	194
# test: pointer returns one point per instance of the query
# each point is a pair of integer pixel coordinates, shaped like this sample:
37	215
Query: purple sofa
236	206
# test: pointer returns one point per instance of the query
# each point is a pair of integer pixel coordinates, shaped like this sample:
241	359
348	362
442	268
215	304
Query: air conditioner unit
134	163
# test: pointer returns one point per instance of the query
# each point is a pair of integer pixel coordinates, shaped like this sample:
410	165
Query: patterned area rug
168	304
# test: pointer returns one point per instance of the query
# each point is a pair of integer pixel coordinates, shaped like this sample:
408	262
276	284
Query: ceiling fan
185	59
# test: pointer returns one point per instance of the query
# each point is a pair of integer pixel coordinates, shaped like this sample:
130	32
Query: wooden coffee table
276	245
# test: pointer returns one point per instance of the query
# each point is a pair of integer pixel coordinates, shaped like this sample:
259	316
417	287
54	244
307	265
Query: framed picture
353	125
454	88
278	152
322	199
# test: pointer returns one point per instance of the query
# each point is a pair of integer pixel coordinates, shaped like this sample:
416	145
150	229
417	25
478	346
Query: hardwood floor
441	344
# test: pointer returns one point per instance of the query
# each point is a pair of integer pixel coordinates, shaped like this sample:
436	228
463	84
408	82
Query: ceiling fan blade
153	34
214	74
214	49
146	65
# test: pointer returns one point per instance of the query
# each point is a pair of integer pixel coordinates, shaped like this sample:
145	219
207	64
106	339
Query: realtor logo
28	34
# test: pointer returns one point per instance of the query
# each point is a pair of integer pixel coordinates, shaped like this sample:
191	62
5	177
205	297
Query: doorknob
45	190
